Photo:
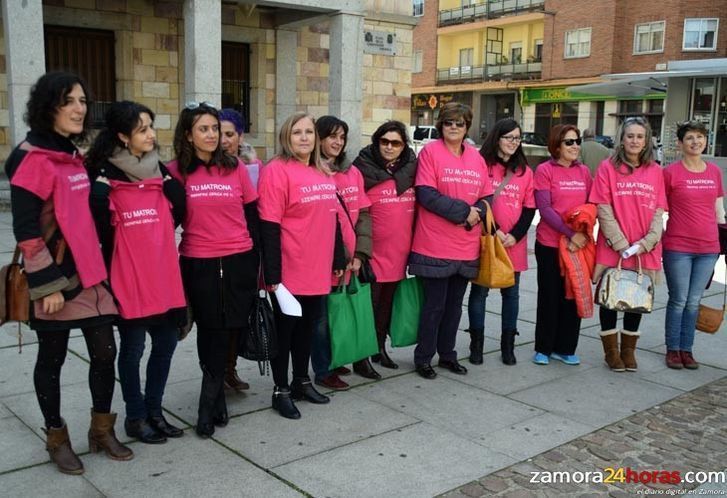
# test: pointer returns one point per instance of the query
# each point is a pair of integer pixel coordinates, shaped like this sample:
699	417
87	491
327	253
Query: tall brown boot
609	339
101	436
628	349
60	450
232	380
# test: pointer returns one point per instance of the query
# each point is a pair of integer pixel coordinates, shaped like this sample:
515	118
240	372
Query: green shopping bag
351	323
408	299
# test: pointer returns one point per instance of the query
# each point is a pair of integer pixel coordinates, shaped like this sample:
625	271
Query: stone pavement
402	436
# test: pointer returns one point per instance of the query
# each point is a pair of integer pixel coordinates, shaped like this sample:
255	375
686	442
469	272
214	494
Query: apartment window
649	37
90	53
516	52
418	8
538	51
465	57
578	43
418	58
700	34
236	78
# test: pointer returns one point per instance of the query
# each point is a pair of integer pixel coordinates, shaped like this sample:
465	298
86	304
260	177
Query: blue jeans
131	349
320	353
477	305
687	275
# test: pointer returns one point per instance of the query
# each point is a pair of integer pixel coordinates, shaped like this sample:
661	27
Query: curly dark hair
517	162
47	95
121	117
184	150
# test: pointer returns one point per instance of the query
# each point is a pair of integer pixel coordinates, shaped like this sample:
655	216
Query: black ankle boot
302	388
283	403
507	346
365	369
140	429
477	344
386	360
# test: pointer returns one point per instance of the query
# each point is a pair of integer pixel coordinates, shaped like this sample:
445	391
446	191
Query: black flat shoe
386	360
283	403
453	366
139	428
366	370
426	371
161	425
303	389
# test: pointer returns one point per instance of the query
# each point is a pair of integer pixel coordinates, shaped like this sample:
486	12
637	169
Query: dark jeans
131	349
477	306
52	349
608	319
295	335
439	318
557	324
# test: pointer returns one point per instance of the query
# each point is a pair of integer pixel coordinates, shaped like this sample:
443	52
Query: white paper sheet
289	305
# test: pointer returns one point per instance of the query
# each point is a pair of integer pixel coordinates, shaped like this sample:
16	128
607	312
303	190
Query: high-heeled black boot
507	346
477	345
211	386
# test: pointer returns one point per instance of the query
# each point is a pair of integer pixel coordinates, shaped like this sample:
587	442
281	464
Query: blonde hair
646	156
286	146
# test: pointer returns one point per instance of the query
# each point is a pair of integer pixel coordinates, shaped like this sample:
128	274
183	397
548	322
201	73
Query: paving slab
595	396
44	481
186	467
417	461
270	440
533	436
479	412
9	335
19	446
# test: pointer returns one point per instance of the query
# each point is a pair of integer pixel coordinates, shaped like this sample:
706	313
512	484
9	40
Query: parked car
532	138
423	134
604	140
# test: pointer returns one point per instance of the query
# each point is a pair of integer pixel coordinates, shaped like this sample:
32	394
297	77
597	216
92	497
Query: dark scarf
374	170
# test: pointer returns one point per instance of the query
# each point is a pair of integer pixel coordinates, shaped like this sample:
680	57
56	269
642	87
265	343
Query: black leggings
52	349
609	317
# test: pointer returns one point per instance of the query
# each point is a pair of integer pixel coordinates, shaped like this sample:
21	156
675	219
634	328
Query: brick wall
425	39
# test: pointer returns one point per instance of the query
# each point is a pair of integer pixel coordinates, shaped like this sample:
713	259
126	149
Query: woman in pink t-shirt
561	184
388	166
218	253
696	199
136	204
513	209
629	192
62	261
451	183
299	227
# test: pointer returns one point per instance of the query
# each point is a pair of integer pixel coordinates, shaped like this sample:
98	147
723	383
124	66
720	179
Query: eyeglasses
192	105
451	122
393	143
512	138
571	141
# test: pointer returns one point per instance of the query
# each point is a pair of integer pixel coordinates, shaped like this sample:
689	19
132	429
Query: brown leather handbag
709	320
14	295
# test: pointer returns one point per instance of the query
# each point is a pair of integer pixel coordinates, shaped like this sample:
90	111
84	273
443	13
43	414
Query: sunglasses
451	122
393	143
192	105
511	138
634	119
571	141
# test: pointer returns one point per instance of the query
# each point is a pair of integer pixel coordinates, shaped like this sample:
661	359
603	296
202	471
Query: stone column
286	48
346	74
203	51
25	58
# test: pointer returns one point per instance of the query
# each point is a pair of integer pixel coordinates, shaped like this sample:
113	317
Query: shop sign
431	101
379	43
562	94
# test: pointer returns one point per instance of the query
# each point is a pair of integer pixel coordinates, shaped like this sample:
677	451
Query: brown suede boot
101	436
60	450
609	339
232	380
628	349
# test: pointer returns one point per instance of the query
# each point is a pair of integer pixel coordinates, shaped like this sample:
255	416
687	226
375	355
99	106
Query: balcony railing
473	74
488	10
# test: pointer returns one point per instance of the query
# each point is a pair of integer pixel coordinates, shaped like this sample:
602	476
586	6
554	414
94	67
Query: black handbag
260	341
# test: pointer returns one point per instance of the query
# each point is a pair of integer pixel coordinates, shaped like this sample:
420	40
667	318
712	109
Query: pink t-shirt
145	275
507	208
350	185
464	178
63	177
633	198
215	224
568	187
692	224
303	201
392	230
